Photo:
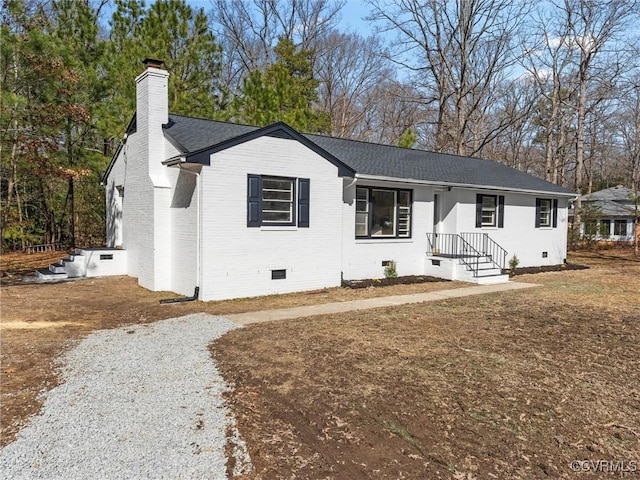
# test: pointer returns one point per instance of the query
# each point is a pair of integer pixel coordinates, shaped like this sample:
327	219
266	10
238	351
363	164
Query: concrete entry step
45	274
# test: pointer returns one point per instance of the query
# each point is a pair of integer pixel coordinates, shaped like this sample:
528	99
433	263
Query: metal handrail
483	243
468	248
453	245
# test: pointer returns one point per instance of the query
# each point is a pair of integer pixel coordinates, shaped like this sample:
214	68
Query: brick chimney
148	187
152	111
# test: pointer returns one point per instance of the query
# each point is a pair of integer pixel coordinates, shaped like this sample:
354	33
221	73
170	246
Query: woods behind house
551	88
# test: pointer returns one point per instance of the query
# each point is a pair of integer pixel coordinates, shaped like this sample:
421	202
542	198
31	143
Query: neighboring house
608	215
242	211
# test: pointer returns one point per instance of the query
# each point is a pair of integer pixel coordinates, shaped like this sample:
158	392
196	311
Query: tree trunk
582	100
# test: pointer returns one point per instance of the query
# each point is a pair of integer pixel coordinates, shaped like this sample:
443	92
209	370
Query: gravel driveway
142	401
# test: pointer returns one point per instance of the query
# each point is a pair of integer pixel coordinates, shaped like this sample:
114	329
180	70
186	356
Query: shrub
513	264
390	270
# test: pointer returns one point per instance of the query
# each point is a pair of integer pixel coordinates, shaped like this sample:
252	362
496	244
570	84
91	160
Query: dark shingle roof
616	194
192	134
608	208
389	161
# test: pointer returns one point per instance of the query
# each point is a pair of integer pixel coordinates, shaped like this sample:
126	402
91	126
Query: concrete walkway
340	307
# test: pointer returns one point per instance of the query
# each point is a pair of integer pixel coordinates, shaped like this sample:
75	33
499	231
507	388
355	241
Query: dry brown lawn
512	385
509	385
38	321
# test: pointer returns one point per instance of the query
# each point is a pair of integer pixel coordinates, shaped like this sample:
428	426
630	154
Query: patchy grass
15	265
38	321
509	385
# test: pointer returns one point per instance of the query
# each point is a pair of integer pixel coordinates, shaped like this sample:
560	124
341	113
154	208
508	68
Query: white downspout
198	214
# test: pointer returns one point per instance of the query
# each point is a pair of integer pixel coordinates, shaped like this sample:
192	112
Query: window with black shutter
546	213
277	201
489	211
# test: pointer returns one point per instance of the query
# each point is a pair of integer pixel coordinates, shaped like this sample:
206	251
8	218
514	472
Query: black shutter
538	203
303	202
254	201
555	213
478	210
501	211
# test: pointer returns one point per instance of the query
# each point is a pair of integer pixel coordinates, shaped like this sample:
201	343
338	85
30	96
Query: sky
353	14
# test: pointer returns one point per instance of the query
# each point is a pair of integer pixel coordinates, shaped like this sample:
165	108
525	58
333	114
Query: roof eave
131	128
464	185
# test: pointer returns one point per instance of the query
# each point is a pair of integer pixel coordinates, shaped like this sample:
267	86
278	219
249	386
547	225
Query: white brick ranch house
242	211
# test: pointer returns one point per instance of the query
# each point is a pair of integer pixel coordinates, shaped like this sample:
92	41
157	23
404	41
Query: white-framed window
277	201
620	228
362	212
383	213
546	213
404	213
489	210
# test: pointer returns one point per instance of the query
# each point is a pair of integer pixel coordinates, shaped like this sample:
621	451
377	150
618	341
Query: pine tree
172	31
285	91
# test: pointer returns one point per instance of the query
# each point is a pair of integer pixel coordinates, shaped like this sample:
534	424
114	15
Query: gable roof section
198	138
614	194
191	134
607	208
226	139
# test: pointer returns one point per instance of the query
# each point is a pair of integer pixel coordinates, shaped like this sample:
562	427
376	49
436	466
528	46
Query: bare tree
548	59
596	28
391	111
515	146
628	124
349	70
459	54
249	29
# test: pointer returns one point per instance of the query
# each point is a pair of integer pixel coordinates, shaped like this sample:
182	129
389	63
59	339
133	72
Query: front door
436	223
436	213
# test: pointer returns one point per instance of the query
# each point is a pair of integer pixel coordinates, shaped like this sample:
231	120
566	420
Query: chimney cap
152	62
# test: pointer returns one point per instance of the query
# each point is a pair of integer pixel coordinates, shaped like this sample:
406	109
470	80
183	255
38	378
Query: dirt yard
38	321
514	385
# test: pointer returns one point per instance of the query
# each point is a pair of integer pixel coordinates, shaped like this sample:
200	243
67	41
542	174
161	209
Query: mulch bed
409	279
547	268
383	282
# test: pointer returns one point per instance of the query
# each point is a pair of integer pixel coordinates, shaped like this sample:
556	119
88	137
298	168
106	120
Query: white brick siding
146	224
363	257
237	260
184	224
519	235
170	219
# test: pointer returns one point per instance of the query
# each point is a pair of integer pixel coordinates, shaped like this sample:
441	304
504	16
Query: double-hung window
489	211
277	201
383	213
620	228
546	212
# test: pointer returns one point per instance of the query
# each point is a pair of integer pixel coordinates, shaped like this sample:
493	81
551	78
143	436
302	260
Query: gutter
462	185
